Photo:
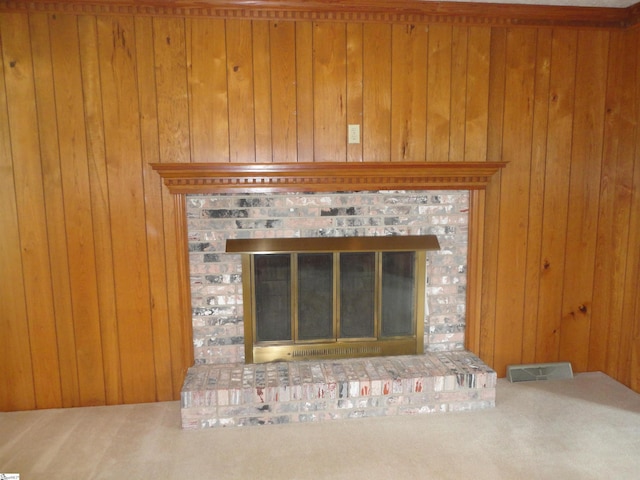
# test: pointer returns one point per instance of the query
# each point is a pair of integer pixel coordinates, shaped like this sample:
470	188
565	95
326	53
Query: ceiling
577	3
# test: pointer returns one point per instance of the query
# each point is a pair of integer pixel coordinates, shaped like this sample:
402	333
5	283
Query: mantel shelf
186	178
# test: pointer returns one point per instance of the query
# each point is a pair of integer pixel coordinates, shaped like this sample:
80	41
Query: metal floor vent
539	371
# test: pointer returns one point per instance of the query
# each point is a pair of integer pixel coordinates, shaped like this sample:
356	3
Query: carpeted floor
584	428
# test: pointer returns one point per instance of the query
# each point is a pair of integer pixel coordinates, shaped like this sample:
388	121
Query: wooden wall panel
409	92
166	344
283	91
329	92
27	174
540	135
514	194
17	391
116	38
355	99
79	208
91	289
99	179
556	192
439	93
582	222
54	206
376	93
208	102
629	366
477	94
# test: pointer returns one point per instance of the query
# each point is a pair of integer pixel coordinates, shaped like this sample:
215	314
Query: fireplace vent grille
336	351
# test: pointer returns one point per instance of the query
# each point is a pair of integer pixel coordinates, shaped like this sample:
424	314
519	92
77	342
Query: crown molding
392	11
186	178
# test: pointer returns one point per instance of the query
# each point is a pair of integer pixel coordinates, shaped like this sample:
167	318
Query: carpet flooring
587	427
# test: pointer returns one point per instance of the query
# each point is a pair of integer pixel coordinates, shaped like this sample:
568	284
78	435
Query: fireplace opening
309	298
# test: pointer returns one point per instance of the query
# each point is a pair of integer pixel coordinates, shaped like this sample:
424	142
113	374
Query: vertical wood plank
458	105
586	158
97	162
283	91
78	209
477	101
304	91
261	53
355	78
518	118
439	93
618	324
329	92
34	244
473	330
536	193
497	76
409	93
169	71
54	206
376	130
17	391
167	324
172	122
495	120
207	76
116	38
240	91
170	57
612	233
556	193
630	373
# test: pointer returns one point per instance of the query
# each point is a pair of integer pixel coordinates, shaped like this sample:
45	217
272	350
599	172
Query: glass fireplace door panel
398	294
272	297
357	294
315	296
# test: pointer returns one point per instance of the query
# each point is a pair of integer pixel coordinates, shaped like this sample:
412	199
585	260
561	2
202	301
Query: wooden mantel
324	176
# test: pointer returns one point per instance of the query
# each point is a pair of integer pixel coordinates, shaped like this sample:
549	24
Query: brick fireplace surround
253	201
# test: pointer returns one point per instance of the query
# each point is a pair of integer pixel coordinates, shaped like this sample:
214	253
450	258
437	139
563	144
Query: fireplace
218	285
221	390
337	297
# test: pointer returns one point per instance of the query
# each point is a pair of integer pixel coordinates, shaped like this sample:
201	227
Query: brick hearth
312	391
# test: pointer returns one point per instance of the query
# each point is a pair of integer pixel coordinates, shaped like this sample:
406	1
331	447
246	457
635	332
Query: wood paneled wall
90	311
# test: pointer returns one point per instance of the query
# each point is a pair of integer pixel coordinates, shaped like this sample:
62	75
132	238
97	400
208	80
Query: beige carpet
584	428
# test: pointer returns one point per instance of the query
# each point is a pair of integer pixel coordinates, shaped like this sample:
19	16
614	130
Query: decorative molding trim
385	11
184	178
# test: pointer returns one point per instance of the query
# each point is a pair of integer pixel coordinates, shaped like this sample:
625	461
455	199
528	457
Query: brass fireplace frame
338	347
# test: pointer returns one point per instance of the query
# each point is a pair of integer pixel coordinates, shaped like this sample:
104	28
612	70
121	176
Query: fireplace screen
333	297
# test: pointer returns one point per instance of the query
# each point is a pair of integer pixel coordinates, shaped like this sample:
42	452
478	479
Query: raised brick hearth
313	391
221	390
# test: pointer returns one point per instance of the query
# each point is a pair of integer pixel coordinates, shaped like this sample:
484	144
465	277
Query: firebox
340	297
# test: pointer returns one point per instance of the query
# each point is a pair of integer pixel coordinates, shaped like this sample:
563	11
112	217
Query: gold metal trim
295	349
333	244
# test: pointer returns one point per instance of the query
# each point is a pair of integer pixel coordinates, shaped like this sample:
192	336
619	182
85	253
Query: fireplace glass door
333	304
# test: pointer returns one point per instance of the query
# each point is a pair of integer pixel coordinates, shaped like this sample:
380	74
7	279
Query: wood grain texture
17	392
29	197
94	297
78	203
556	192
99	179
514	194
